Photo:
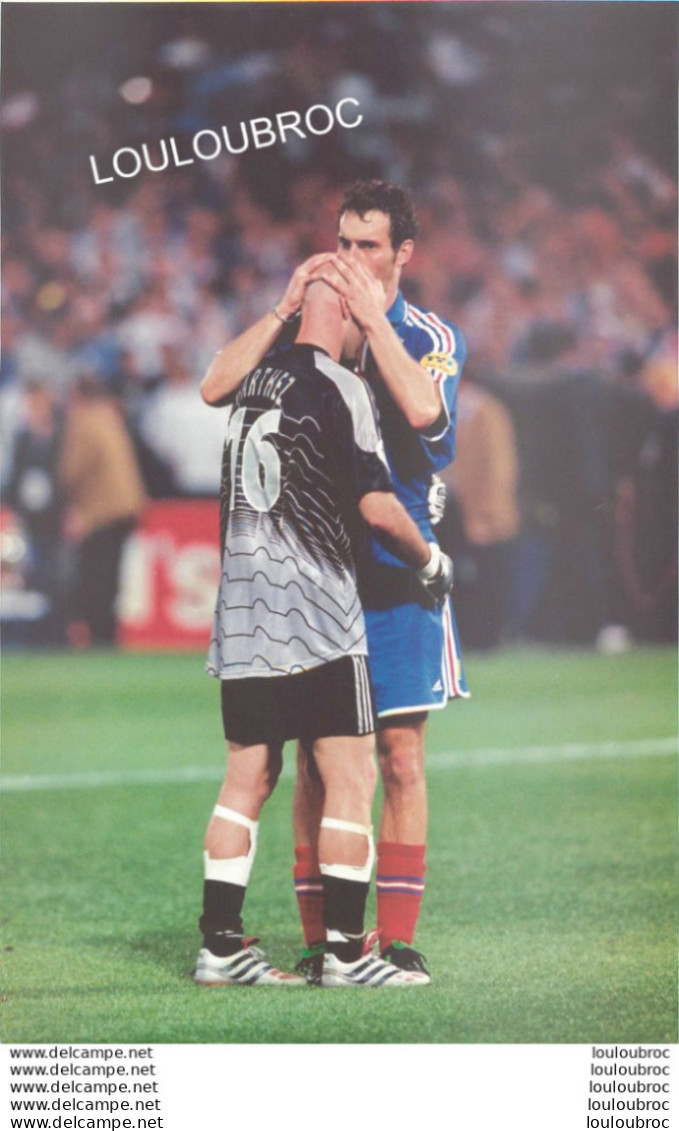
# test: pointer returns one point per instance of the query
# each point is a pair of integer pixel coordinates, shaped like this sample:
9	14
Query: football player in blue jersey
412	361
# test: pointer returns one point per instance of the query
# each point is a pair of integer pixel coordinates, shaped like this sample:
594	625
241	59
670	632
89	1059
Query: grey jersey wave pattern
277	613
287	598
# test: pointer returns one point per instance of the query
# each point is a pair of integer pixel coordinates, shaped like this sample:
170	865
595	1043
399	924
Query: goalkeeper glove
436	499
436	577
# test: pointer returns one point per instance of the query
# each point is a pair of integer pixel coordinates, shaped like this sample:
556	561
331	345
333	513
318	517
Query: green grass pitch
549	912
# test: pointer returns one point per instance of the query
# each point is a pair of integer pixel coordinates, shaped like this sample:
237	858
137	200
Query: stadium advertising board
170	576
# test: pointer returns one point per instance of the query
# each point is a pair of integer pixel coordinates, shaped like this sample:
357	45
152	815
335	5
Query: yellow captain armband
441	362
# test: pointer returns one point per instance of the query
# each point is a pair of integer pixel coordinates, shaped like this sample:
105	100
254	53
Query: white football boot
369	971
245	968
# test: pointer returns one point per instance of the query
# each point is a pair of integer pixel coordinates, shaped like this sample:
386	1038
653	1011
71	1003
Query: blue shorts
415	662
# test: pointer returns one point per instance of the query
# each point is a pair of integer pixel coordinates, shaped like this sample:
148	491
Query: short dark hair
381	196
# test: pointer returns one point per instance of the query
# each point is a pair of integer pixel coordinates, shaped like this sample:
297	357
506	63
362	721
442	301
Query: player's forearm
394	528
237	358
247	350
410	385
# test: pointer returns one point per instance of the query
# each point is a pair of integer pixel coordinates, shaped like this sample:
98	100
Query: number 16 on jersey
253	458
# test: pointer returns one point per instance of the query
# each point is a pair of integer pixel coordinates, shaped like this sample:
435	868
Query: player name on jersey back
271	384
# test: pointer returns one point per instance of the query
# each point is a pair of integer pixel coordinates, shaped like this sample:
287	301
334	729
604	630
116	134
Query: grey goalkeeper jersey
302	448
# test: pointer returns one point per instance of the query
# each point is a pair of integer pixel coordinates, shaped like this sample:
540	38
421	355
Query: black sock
344	913
221	921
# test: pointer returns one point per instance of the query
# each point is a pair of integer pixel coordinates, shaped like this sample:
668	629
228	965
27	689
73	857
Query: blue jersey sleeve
440	348
414	456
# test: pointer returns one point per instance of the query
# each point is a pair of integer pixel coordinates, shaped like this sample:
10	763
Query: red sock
400	885
309	892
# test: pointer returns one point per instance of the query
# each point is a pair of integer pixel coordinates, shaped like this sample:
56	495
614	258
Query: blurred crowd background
539	141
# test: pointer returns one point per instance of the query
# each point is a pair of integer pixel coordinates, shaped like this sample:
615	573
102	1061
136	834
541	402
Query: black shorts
331	699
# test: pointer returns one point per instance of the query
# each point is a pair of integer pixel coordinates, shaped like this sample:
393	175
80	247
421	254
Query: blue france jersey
413	456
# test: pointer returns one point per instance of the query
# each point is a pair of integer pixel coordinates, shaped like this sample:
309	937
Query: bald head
323	322
318	296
